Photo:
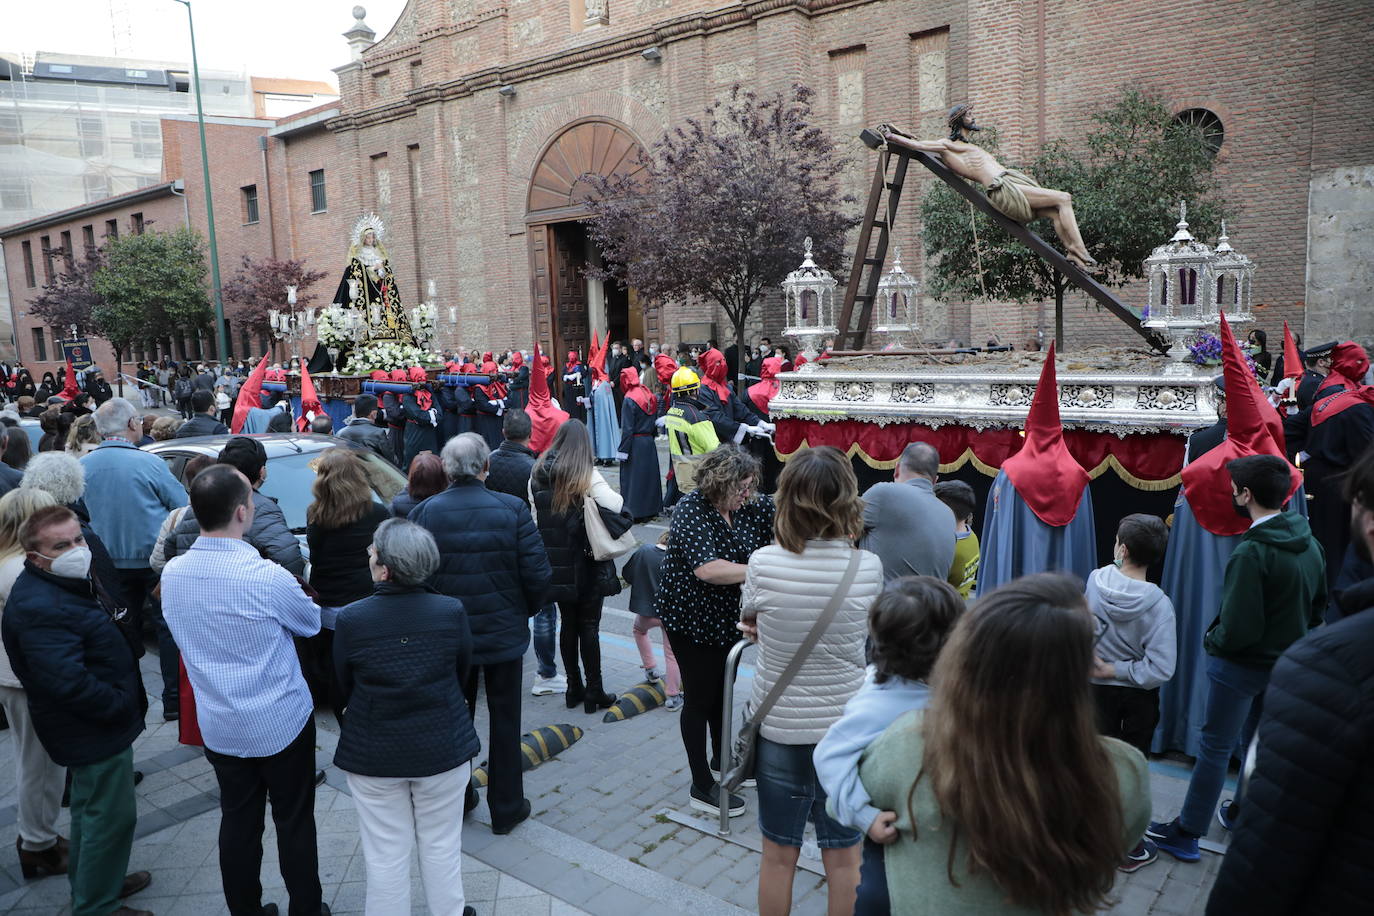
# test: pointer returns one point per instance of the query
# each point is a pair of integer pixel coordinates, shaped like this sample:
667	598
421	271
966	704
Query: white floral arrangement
329	328
387	355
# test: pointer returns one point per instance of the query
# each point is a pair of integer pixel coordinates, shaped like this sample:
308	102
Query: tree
150	285
261	285
719	208
1136	164
71	297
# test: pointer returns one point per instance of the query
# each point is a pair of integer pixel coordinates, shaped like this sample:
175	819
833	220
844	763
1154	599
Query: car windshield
291	480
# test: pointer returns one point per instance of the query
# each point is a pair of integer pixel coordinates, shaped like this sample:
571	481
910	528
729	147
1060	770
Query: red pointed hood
1044	474
596	359
250	395
545	414
310	401
70	390
1250	430
713	369
634	389
1292	363
762	392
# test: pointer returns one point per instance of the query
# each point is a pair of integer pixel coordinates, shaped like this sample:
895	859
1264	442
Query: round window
1206	123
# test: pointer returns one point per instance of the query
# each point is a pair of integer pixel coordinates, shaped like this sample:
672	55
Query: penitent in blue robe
605	424
1015	542
1194	570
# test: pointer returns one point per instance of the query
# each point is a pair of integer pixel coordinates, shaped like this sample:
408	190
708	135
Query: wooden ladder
869	256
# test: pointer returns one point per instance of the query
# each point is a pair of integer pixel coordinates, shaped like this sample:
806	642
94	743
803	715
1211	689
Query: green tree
151	285
719	208
1127	176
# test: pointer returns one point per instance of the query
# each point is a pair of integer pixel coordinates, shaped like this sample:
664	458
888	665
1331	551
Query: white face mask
74	564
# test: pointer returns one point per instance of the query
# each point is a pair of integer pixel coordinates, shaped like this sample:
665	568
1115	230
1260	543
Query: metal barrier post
727	732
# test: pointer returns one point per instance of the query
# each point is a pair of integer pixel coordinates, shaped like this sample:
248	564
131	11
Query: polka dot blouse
703	612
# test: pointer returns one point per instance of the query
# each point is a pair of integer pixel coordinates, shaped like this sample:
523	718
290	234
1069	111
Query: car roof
275	444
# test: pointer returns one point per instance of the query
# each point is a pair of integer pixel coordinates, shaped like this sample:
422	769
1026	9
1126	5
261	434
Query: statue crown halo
365	222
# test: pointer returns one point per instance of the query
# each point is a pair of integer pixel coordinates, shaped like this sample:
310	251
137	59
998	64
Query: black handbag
746	742
607	581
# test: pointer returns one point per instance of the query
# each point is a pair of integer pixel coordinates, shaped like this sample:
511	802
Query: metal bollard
727	731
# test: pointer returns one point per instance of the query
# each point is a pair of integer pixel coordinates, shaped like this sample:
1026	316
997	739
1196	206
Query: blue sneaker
1169	837
1227	812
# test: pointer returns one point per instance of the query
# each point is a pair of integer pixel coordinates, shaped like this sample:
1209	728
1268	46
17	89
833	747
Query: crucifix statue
1014	193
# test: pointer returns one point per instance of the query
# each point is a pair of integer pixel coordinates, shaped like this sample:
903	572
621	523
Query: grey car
291	462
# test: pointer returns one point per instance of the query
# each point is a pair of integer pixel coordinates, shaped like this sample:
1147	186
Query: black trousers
580	638
505	780
703	687
1127	713
245	784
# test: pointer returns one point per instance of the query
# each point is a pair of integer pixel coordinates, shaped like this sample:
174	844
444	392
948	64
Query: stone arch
595	146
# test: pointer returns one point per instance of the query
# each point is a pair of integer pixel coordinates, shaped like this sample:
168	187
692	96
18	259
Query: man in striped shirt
234	615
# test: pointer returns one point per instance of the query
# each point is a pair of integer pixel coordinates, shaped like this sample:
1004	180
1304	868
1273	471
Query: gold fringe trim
968	457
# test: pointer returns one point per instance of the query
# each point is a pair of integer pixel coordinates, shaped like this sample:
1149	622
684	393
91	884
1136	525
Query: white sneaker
652	674
673	704
545	686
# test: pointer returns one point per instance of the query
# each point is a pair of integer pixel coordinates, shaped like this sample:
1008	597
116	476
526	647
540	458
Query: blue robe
1015	542
257	419
640	481
605	425
1194	570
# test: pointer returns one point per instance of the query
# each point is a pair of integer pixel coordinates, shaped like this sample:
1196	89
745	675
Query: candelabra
292	325
423	318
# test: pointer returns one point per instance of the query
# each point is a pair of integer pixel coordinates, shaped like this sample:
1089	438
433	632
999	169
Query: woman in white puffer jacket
786	589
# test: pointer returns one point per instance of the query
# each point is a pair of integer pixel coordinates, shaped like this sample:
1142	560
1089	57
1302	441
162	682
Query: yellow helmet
685	380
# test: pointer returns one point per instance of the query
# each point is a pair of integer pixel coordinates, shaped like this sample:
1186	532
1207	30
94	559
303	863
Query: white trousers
40	780
393	815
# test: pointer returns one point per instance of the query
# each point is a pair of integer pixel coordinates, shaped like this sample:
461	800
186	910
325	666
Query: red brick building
466	127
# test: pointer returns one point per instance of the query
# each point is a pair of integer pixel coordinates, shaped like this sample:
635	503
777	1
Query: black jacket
338	557
363	432
269	534
401	656
201	425
565	540
491	559
511	465
1304	842
77	667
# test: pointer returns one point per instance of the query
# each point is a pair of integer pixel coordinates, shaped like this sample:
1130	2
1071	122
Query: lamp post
221	342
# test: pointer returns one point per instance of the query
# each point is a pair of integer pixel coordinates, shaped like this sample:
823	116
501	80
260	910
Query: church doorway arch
568	305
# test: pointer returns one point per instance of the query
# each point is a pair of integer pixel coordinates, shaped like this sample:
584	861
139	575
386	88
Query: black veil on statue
368	284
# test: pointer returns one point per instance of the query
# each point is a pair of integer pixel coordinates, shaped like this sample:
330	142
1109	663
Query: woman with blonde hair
562	479
1007	800
83	438
340	524
788	587
40	781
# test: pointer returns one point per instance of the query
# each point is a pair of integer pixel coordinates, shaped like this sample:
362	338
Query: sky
297	39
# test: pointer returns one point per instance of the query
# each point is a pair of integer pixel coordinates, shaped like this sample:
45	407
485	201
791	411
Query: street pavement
611	831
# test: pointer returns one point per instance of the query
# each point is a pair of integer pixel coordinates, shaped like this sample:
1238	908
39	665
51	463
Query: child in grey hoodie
1137	646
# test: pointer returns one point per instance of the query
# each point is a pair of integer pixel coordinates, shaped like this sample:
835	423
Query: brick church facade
467	126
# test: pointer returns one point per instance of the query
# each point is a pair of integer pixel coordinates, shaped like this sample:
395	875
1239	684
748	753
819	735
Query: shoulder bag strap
814	636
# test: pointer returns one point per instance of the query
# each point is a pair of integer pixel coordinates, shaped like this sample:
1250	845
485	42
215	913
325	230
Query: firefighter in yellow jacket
691	434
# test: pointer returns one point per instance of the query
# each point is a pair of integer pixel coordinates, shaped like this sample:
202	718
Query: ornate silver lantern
1234	273
810	305
897	319
1182	294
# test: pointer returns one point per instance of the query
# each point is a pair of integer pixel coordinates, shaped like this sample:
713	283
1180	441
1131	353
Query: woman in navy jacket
407	741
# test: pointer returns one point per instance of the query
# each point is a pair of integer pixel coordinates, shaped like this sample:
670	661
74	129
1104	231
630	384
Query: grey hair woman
58	473
407	741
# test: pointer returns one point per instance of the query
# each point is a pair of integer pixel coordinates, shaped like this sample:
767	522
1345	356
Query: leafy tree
151	285
719	207
1135	166
261	285
71	297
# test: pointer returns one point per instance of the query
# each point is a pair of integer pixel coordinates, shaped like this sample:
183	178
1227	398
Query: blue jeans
545	629
790	795
1235	696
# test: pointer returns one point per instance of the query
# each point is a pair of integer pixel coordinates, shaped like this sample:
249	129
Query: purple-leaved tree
261	285
722	204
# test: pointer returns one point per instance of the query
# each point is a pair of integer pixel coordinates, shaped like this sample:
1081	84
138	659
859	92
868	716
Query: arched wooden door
558	248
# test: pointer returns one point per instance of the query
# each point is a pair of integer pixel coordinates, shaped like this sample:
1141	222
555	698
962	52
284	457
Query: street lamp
221	342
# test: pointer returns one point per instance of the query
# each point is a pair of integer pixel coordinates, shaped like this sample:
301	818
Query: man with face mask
77	665
1274	591
1299	847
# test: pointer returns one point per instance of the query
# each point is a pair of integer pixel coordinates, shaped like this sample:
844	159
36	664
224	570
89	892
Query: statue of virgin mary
369	284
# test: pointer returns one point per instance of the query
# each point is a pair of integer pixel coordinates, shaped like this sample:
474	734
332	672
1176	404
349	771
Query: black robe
639	472
419	429
1333	447
488	424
